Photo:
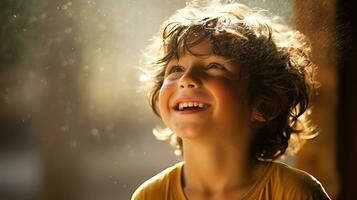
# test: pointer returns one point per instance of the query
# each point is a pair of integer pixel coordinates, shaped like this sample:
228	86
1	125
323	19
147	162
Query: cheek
230	98
164	98
224	90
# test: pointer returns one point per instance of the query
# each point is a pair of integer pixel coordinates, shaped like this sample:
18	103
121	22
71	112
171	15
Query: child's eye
175	69
216	66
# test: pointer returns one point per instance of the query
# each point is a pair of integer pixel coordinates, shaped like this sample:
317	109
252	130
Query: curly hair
275	57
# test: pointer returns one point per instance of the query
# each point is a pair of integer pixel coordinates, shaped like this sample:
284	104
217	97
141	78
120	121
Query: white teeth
183	105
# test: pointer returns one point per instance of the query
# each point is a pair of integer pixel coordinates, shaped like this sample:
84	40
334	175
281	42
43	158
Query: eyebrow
211	56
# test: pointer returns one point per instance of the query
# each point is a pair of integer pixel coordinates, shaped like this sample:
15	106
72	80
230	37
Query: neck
216	168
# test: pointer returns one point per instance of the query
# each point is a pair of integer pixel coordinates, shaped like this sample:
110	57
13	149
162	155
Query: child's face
213	86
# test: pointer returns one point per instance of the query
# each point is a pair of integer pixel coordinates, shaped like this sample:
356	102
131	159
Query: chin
190	132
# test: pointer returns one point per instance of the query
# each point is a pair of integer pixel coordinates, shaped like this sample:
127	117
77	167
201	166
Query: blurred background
75	125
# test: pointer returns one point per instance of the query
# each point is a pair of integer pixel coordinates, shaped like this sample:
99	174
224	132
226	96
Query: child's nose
190	79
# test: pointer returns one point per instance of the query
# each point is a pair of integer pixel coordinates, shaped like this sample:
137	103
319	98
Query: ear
257	116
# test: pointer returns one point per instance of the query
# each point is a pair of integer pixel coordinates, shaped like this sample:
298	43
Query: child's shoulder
291	182
289	175
160	185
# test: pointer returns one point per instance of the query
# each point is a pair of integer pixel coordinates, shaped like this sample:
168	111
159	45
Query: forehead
203	48
201	51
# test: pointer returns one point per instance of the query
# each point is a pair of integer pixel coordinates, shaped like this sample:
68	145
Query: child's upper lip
189	99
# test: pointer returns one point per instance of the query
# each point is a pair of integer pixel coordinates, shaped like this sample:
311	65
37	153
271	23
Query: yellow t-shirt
279	182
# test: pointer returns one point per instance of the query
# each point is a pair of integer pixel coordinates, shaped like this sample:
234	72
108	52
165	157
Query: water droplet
33	19
44	82
68	30
64	128
94	132
86	67
43	16
73	143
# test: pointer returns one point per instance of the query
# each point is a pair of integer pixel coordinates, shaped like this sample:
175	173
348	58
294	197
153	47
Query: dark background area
347	123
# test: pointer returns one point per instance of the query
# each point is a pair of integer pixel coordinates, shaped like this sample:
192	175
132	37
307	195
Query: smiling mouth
191	106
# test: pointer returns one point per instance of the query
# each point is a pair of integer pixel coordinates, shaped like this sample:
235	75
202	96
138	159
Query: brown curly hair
275	57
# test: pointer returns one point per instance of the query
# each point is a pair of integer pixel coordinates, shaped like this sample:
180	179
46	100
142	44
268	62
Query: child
232	86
